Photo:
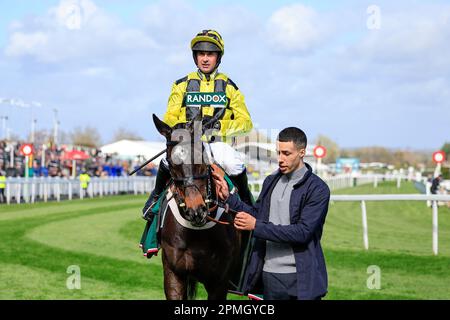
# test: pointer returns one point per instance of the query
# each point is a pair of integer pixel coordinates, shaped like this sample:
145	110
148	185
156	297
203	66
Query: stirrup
148	212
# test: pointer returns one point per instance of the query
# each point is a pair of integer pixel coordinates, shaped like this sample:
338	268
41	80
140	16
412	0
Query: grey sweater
280	256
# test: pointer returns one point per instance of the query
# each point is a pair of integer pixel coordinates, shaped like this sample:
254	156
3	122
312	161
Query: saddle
151	236
150	242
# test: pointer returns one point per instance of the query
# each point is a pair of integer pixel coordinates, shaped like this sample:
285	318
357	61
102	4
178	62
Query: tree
41	136
87	136
397	157
333	151
123	133
369	154
255	135
63	137
14	137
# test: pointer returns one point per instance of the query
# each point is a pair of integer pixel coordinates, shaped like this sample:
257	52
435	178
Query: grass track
38	242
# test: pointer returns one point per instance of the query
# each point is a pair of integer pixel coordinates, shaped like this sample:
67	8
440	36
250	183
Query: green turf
39	242
400	244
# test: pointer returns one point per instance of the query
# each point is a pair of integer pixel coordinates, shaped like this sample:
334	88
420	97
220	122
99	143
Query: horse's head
189	172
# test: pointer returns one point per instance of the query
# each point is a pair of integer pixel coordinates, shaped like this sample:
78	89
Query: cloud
174	23
295	28
97	72
170	22
74	13
410	35
299	65
74	29
26	43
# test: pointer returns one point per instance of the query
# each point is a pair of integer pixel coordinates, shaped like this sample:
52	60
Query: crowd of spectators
49	161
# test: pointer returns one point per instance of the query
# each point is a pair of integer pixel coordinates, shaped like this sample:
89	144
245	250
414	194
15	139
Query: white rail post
26	189
18	191
375	182
435	227
41	188
399	180
428	192
46	191
58	190
33	190
364	224
94	187
90	190
70	188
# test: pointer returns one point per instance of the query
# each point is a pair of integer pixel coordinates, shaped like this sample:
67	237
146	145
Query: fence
43	189
344	181
434	199
30	190
349	180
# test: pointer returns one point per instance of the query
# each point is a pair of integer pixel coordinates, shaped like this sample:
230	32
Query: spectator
2	186
99	165
84	182
435	184
36	169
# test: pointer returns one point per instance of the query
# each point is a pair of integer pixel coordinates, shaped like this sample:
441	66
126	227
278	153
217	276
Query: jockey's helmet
210	41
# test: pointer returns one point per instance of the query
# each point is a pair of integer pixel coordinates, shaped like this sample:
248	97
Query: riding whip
147	162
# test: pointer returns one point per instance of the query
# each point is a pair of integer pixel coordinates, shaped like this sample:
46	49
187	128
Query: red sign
26	149
75	155
320	152
439	156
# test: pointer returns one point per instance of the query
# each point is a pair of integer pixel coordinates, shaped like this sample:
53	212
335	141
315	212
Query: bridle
187	182
180	184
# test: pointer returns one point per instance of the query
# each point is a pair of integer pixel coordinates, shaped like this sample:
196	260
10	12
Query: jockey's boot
240	181
162	178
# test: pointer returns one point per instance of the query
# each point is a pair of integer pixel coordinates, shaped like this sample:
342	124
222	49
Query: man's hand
222	186
244	221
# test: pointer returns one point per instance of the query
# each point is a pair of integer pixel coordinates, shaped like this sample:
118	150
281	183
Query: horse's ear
162	127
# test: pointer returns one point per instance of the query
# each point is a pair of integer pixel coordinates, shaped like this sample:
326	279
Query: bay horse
196	248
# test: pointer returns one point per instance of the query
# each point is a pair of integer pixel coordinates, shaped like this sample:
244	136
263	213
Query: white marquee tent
130	149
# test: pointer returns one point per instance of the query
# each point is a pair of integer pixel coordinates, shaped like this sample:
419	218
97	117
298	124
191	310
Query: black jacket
308	209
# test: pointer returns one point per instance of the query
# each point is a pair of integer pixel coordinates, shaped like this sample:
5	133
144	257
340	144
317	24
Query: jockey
208	49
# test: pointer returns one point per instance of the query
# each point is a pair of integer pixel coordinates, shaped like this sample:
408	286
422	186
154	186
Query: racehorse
201	248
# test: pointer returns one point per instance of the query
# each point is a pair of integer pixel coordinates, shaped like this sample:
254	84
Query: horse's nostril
191	213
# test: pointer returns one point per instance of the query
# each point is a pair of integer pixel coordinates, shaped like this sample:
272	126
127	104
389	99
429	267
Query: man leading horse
232	119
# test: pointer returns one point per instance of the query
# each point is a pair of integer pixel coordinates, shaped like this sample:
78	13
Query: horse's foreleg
217	291
174	286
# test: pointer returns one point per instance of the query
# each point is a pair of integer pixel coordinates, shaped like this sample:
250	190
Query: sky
363	73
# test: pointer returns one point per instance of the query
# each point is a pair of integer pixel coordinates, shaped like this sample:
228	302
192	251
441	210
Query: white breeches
228	158
223	154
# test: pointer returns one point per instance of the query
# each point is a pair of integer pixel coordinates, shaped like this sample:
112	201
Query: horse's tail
191	288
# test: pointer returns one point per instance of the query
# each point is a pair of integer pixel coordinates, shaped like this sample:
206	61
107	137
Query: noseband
188	182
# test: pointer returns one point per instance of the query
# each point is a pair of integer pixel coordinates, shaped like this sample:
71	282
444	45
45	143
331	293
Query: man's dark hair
297	136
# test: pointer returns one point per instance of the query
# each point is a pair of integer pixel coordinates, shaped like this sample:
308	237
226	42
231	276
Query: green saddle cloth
150	245
149	240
